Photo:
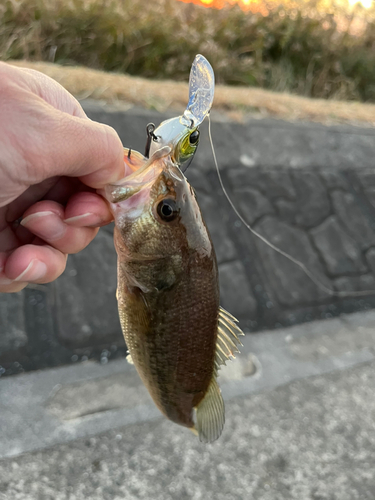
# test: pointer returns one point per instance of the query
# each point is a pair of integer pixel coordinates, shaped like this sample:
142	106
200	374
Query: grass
234	102
312	52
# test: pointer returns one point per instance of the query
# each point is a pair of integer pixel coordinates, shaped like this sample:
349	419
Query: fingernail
5	281
47	225
86	220
78	218
34	271
37	215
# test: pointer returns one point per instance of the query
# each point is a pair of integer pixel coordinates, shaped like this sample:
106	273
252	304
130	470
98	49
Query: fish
177	334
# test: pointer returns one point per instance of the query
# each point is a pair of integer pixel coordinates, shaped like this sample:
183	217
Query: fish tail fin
210	414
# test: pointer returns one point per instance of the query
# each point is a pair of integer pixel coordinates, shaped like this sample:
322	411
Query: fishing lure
181	133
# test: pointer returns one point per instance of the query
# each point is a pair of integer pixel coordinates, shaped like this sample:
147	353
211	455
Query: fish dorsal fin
227	338
210	414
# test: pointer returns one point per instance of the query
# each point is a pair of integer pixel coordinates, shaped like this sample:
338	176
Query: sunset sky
248	4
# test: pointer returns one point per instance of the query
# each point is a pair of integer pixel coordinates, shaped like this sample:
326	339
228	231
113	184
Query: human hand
52	159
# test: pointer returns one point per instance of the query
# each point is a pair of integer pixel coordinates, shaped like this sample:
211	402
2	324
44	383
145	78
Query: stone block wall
308	189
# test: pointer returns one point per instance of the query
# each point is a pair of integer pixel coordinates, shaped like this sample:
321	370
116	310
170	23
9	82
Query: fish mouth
142	178
133	195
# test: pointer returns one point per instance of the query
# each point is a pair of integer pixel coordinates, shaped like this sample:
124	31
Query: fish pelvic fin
227	342
210	414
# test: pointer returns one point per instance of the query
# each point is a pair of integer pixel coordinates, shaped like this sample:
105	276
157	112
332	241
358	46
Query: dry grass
237	102
312	48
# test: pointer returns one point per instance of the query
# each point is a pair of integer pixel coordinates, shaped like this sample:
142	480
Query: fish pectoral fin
227	341
129	358
210	414
115	194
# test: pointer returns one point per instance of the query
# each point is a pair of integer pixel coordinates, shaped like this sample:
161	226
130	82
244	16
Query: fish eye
167	210
194	137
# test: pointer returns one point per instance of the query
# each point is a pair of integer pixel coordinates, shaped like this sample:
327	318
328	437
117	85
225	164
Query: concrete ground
300	425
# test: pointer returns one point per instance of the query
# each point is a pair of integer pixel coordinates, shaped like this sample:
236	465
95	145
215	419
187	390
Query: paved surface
310	189
300	428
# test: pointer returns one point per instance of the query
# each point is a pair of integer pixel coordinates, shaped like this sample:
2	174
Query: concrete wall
308	188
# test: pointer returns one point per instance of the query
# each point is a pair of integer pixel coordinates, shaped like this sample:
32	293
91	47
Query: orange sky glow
219	4
252	5
255	5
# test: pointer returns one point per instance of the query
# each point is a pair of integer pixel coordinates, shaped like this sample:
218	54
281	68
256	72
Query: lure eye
167	210
194	137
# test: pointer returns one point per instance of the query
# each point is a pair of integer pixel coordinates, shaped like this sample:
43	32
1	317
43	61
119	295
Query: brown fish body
168	294
171	333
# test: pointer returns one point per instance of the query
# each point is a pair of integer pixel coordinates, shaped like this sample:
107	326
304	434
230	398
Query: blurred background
312	48
293	126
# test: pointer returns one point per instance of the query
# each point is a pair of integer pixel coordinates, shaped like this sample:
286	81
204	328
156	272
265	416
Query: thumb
77	147
49	130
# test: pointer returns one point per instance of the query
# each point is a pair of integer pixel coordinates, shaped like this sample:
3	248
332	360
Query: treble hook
150	136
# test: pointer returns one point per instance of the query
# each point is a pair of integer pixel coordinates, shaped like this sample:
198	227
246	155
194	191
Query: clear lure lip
201	91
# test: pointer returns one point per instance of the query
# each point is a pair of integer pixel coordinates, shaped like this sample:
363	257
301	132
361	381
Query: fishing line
300	264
